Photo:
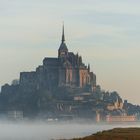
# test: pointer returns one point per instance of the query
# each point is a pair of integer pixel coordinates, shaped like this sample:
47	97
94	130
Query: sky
105	32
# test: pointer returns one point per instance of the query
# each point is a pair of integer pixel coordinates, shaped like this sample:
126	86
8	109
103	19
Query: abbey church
66	70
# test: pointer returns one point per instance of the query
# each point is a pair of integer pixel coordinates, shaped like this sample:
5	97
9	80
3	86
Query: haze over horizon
105	32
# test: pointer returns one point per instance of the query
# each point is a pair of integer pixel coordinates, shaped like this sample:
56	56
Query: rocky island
63	88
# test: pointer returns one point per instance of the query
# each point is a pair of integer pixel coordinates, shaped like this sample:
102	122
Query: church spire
63	34
63	50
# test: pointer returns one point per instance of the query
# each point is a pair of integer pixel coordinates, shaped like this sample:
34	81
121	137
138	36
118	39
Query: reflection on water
44	131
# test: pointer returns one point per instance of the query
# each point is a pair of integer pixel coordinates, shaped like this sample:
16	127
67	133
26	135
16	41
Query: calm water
44	131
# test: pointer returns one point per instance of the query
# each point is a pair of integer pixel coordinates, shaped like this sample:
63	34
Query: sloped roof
63	47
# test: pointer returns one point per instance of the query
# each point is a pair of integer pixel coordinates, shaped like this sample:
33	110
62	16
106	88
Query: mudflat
115	134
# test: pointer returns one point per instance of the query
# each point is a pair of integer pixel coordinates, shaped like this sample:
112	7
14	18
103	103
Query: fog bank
47	131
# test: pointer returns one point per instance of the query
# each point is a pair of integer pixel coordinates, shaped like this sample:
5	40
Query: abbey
66	70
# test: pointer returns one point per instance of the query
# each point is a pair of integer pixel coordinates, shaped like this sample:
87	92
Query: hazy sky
105	32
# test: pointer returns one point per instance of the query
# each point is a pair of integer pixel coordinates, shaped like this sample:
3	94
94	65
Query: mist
47	131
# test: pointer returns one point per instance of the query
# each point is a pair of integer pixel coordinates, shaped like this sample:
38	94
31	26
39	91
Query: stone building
66	70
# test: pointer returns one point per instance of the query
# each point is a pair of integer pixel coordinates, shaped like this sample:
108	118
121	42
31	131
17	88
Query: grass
115	134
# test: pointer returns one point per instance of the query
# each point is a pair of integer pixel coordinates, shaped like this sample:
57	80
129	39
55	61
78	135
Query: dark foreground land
115	134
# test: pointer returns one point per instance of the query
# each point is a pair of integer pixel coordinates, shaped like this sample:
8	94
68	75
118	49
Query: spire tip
63	34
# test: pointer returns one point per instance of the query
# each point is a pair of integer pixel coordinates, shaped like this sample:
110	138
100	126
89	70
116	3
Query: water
45	131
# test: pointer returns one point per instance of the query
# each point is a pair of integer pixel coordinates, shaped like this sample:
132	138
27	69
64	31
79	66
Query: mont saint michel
63	87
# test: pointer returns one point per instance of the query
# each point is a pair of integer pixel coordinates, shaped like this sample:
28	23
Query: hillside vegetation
115	134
